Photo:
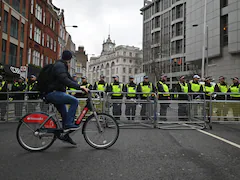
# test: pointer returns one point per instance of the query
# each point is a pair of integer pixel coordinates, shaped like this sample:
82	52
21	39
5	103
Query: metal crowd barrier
11	109
224	109
133	112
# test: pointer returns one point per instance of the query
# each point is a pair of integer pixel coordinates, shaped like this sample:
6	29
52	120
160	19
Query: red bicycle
100	130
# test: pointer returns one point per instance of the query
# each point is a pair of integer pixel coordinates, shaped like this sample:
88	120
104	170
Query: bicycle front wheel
101	139
33	135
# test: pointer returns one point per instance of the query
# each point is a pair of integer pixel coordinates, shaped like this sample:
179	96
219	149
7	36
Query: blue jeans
60	99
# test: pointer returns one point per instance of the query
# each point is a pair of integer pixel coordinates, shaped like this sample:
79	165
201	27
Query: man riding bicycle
57	94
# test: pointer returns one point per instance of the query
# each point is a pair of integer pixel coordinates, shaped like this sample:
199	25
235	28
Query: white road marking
219	138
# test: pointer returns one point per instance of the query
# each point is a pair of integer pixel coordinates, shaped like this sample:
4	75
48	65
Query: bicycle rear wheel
104	139
33	138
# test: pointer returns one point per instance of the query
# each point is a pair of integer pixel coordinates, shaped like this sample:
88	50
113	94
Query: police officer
221	87
19	86
235	88
86	85
3	97
145	88
130	88
116	88
195	86
77	95
101	85
208	89
182	87
32	86
163	91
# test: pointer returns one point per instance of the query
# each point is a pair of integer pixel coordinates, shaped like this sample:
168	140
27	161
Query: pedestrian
222	108
3	97
163	94
146	89
116	88
182	87
131	89
19	86
235	96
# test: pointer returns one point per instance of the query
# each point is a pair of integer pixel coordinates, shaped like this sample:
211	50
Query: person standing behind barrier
131	87
3	97
235	88
77	95
116	88
86	85
163	91
19	86
101	85
208	89
182	87
145	87
32	86
222	108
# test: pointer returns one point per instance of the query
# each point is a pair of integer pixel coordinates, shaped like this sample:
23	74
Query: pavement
139	154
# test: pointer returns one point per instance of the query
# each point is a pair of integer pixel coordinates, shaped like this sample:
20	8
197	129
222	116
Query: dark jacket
3	89
32	86
131	84
217	89
110	90
160	89
179	89
139	88
62	78
18	87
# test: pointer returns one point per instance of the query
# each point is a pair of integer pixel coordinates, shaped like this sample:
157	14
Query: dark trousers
117	110
182	111
3	110
130	110
18	109
163	111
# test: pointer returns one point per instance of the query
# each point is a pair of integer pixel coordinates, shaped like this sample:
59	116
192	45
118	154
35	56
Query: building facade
222	36
81	62
173	38
71	47
43	33
115	60
61	34
13	32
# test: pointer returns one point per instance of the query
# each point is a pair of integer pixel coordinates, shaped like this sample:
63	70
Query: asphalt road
140	154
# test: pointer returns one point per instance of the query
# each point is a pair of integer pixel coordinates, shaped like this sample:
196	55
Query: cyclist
57	94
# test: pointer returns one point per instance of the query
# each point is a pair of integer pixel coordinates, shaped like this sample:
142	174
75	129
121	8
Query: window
130	54
21	56
55	46
36	58
124	78
117	70
12	55
124	60
179	46
46	60
4	48
32	4
50	61
23	7
54	25
38	12
174	30
44	18
224	3
179	29
29	56
22	32
130	61
124	70
5	22
48	44
124	53
14	27
51	44
173	14
43	39
224	26
16	5
37	35
130	70
30	31
41	63
179	11
136	71
51	22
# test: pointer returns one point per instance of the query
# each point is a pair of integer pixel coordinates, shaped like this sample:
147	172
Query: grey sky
93	18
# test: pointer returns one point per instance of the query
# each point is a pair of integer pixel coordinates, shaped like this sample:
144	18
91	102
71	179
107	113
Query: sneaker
72	127
66	138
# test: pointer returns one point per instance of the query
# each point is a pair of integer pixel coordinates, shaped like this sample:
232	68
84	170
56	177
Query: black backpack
44	79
